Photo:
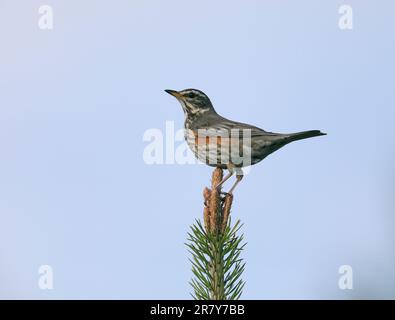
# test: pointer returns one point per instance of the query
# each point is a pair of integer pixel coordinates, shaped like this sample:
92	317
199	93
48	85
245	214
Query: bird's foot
224	195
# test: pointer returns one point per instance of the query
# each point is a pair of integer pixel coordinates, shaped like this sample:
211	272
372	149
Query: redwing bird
210	136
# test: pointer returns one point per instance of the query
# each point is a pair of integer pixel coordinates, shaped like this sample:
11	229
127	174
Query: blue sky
75	102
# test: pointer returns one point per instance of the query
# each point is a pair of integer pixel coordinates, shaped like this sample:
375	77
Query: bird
226	144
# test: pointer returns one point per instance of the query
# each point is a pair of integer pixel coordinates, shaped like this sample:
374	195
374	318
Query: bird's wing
228	125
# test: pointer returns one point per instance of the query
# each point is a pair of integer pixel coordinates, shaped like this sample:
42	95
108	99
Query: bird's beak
174	93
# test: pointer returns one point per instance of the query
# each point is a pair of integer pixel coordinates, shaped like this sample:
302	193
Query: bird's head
194	102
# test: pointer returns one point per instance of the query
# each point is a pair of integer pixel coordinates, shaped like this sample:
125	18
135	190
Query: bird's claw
224	195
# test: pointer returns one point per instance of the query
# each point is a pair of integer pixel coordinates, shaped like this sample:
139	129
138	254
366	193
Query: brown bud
217	177
206	218
206	195
226	211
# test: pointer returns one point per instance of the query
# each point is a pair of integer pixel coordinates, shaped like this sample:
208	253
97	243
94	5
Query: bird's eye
191	95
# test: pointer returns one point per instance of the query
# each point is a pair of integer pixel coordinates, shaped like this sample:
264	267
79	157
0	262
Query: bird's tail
303	135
